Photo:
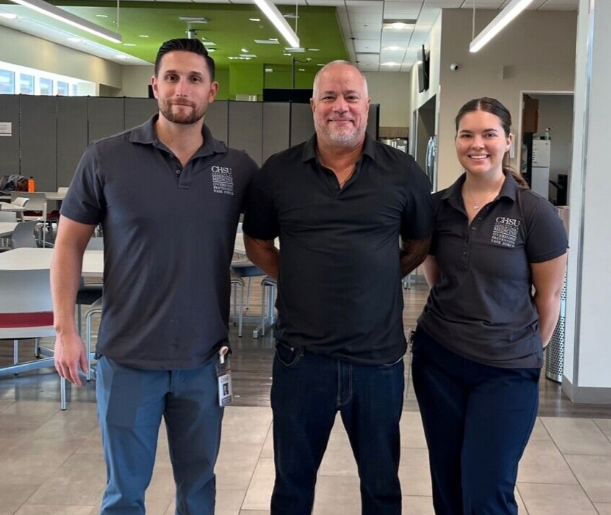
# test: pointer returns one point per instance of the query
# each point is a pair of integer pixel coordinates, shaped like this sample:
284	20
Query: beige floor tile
79	481
539	431
92	444
555	499
41	509
412	432
253	512
414	473
521	507
268	446
13	497
246	425
234	474
337	492
259	492
5	404
543	463
594	474
577	436
30	412
79	423
604	424
413	505
32	462
237	450
603	508
228	502
338	460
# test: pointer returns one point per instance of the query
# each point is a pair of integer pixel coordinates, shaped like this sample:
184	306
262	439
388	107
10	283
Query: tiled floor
51	461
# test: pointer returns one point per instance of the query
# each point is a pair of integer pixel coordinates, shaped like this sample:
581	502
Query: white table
7	228
40	259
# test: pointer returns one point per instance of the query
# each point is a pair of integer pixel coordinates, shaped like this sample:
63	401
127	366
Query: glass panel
63	89
46	86
26	84
7	82
74	90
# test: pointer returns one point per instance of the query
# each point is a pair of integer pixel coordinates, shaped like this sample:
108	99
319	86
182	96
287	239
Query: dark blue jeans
477	420
307	391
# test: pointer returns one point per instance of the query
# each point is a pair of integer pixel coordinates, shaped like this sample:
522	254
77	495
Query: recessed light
267	41
244	50
144	35
8	16
390	63
269	70
211	50
101	15
254	19
302	69
75	40
129	44
393	48
287	54
209	43
321	64
398	24
313	49
248	56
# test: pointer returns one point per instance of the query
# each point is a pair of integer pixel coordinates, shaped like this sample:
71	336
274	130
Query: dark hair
185	45
493	106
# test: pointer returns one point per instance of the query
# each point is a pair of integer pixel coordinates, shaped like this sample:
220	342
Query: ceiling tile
367	45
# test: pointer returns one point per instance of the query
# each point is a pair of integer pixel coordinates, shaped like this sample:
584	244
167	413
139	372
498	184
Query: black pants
477	421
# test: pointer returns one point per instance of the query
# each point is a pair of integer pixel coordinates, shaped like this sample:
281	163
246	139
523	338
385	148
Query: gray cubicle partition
246	128
9	144
302	124
106	116
276	128
139	110
217	119
49	134
72	136
39	140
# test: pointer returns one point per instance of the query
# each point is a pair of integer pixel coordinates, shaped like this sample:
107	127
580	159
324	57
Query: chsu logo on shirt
222	180
505	231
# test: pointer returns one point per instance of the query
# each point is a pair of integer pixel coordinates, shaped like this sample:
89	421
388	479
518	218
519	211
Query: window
46	86
26	84
63	88
7	82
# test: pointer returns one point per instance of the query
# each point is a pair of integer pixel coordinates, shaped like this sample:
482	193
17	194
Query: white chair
36	202
62	189
237	286
8	216
26	312
23	235
268	294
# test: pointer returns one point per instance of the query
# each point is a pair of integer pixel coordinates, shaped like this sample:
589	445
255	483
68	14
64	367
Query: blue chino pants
307	392
477	421
131	404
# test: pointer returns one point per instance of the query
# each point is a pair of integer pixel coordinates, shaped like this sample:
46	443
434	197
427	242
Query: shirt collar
509	188
309	150
146	135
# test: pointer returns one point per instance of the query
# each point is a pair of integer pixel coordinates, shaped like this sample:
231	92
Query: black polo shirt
339	287
169	234
482	306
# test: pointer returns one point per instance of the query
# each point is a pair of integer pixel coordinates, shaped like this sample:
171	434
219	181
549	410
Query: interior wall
392	91
556	112
26	50
536	52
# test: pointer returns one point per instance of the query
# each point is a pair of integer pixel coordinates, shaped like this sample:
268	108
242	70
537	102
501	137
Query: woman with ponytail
478	349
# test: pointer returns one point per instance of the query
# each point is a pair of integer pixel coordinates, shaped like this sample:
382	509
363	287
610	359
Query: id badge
223	377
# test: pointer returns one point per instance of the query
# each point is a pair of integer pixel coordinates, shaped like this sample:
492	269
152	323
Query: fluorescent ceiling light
313	49
302	69
275	16
64	16
254	19
390	64
75	40
194	19
267	41
245	50
8	16
144	35
393	48
295	50
269	70
211	50
389	23
503	19
250	56
129	44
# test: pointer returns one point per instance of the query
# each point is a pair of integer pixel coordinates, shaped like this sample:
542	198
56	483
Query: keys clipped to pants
223	377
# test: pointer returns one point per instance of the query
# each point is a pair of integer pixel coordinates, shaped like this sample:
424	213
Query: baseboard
586	394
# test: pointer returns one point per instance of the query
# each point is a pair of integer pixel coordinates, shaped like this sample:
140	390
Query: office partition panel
71	136
106	117
139	110
217	119
9	134
276	127
302	123
39	140
245	128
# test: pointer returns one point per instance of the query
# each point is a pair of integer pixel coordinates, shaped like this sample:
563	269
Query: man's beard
342	138
183	117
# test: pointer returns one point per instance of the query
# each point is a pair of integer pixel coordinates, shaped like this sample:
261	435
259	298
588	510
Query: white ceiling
360	21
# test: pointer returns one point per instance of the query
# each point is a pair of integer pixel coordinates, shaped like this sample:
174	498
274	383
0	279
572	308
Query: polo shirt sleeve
546	238
261	217
84	202
417	220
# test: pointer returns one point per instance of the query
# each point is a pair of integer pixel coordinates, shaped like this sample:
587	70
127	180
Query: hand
70	352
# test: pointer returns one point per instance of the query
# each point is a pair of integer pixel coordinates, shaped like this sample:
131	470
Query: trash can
555	350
